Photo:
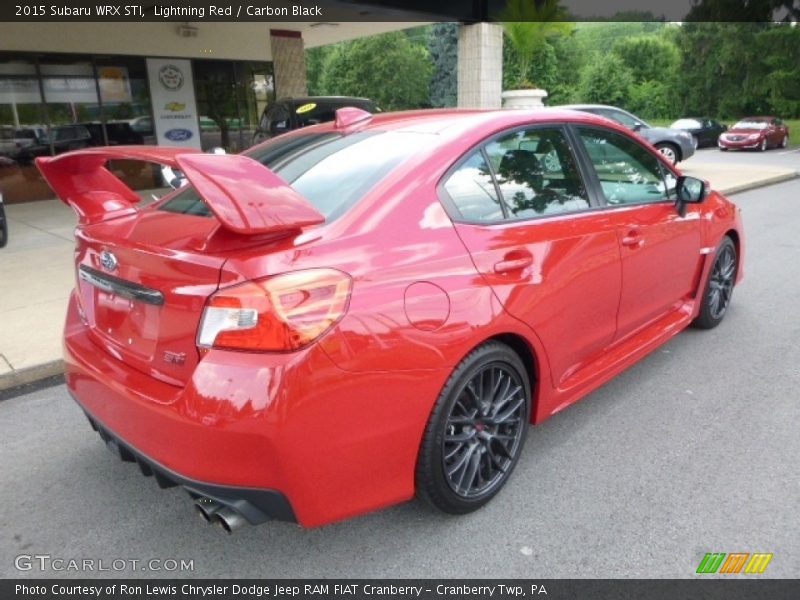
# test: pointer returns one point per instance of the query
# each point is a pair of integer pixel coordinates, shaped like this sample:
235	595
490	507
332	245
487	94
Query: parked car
675	144
143	125
756	133
118	133
704	130
15	143
65	138
354	312
293	113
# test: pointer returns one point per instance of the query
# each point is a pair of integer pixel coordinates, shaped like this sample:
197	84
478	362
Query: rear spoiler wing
244	195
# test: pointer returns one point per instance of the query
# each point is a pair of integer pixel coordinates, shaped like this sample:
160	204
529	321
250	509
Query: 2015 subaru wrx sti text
363	310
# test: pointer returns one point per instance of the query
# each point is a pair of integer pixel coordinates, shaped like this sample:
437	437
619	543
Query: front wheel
669	152
785	141
763	145
719	286
476	431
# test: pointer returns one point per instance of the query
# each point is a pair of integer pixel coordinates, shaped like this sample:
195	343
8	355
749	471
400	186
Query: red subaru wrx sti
359	311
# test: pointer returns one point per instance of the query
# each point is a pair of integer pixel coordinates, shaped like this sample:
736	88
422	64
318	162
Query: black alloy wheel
719	287
476	431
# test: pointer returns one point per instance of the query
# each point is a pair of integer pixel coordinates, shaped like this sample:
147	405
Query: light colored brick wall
480	65
289	65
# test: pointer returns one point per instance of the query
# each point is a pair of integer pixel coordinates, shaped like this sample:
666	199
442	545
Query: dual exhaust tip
227	519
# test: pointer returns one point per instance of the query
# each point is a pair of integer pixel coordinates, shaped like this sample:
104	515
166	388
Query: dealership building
69	85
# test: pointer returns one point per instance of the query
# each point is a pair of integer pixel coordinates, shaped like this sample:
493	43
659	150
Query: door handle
508	264
633	239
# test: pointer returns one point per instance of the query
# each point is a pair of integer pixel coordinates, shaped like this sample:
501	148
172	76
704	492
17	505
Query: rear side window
525	174
472	190
537	174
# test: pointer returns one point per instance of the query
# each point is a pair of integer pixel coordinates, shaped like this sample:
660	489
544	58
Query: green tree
606	81
528	26
648	57
443	50
387	68
315	64
779	47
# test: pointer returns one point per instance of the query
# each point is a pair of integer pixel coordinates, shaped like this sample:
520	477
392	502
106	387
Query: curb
31	374
752	185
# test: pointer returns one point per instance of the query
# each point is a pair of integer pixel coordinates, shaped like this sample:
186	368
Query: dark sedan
293	113
704	130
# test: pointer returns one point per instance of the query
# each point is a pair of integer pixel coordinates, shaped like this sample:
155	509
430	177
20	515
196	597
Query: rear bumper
255	505
292	435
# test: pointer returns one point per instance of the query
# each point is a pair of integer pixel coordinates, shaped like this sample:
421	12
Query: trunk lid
142	289
144	275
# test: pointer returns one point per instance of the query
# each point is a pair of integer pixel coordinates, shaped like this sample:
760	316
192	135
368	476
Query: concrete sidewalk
37	272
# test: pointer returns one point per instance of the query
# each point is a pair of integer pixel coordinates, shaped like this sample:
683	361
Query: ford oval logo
178	135
108	260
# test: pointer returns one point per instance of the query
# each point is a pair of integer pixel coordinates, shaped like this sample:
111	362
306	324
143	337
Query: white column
480	65
288	63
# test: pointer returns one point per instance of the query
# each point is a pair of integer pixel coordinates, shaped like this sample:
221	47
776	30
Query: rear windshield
747	124
331	170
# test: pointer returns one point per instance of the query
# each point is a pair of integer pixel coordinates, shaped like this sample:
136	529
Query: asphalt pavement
695	449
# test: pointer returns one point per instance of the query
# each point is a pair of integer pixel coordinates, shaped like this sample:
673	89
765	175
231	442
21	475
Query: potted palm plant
528	24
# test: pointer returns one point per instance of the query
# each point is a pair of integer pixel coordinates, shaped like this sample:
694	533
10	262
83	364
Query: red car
755	132
359	311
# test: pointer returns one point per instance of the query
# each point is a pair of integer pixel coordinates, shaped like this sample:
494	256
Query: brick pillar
480	65
288	63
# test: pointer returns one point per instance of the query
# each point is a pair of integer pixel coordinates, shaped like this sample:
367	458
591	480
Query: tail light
279	313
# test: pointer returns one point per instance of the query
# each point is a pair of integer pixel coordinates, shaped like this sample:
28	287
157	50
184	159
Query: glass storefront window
53	103
128	118
23	130
255	91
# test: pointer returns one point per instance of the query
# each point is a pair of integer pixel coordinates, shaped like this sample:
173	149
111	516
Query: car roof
336	99
582	106
449	122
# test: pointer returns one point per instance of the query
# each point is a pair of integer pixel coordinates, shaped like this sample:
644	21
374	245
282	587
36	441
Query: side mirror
217	150
689	190
637	126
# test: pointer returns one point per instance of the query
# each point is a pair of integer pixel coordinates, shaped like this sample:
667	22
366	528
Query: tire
785	142
476	431
695	142
763	146
721	149
718	288
669	151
